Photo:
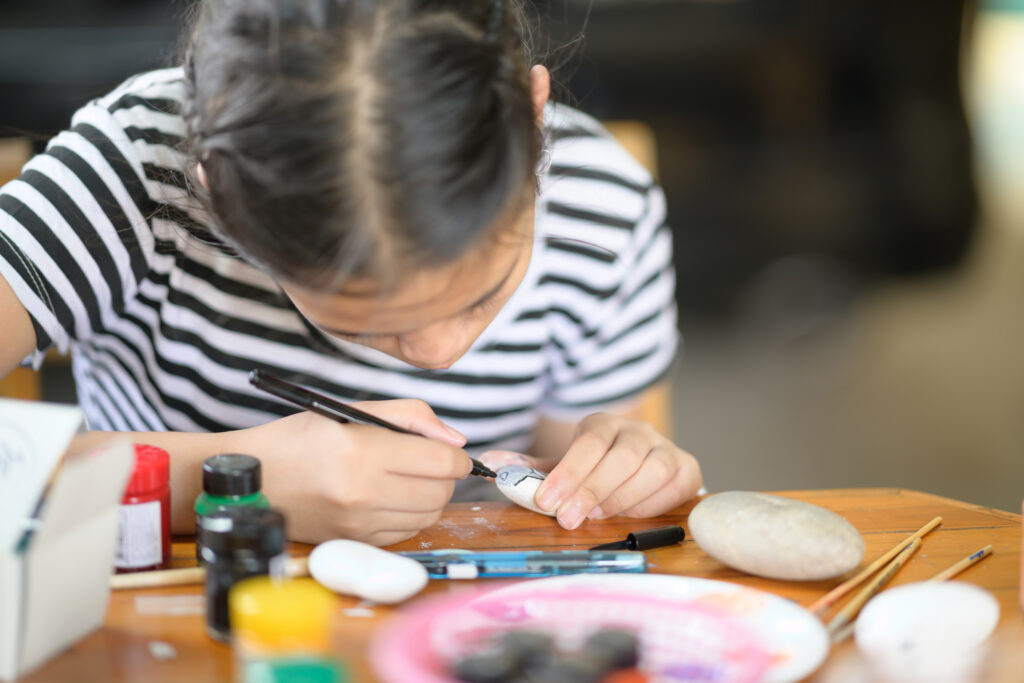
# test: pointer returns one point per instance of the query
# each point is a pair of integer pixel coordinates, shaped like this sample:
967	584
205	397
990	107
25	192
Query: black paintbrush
328	407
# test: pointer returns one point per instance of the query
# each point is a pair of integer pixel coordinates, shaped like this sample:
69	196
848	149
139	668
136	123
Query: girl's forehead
415	296
425	286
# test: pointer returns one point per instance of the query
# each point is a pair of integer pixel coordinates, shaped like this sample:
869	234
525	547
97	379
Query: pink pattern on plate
680	640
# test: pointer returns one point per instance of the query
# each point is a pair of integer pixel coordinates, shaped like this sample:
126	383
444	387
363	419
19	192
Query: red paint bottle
144	536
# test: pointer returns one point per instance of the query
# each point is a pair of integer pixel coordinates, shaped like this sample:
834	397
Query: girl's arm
331	480
187	454
17	336
18	339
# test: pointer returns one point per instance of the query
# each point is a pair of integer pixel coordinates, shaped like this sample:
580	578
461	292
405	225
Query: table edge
899	491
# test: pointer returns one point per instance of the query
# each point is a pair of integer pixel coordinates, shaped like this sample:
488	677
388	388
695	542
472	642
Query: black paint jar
237	543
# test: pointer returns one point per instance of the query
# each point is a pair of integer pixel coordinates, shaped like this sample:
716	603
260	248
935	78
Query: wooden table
121	651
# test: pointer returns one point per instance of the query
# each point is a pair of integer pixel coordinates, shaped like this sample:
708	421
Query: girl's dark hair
359	137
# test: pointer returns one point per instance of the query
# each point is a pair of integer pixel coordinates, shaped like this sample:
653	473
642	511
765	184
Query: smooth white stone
368	572
775	537
519	484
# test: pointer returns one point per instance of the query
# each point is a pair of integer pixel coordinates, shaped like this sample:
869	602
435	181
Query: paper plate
685	625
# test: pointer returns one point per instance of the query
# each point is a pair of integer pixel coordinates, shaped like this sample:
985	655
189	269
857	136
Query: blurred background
845	183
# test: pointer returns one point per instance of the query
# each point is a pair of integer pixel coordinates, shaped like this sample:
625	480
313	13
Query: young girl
374	199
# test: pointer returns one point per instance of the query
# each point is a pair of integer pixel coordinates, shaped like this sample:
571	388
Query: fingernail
596	513
571	515
548	499
459	438
498	459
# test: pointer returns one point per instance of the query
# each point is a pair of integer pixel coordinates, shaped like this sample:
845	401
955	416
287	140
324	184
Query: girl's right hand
365	483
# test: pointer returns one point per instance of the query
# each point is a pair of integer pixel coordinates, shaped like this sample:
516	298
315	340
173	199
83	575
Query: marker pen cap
655	538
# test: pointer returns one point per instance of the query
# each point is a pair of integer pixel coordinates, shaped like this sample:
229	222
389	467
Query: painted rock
519	484
775	537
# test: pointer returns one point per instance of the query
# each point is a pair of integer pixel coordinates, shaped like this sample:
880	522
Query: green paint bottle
229	480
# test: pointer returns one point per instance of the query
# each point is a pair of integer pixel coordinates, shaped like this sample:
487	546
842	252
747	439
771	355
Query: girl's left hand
618	465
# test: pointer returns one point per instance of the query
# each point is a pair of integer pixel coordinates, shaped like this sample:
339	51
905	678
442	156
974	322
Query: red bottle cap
152	470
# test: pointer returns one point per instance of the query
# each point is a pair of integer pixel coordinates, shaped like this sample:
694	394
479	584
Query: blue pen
470	564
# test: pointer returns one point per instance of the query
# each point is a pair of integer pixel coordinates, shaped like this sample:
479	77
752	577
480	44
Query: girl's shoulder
161	91
575	140
142	119
592	190
139	123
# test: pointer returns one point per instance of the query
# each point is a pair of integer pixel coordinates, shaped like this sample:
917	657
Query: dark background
832	132
789	127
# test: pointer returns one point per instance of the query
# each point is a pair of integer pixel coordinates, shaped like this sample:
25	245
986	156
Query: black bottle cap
247	529
232	474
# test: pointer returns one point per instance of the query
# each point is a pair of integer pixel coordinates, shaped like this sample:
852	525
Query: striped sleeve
74	238
617	332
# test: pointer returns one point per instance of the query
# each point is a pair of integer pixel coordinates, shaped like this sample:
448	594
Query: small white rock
368	572
775	537
519	484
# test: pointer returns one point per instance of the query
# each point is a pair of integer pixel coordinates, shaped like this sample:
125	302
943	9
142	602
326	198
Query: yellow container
281	631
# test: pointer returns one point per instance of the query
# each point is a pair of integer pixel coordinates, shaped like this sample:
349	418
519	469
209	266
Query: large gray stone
774	537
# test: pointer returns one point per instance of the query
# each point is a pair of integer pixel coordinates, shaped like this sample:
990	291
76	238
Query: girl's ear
540	88
201	176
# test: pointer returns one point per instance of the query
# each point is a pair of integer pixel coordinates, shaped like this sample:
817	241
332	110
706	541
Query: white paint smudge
162	650
486	523
457	530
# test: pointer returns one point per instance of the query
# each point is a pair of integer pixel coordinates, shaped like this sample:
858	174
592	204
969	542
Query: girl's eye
357	338
347	337
485	306
481	308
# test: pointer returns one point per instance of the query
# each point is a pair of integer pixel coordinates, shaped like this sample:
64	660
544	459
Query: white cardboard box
55	579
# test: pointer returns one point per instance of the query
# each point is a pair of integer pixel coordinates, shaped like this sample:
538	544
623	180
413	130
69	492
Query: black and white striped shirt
109	255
